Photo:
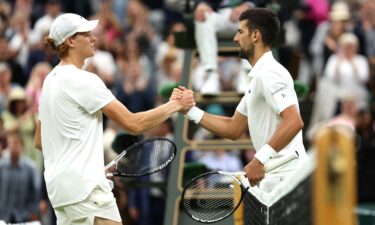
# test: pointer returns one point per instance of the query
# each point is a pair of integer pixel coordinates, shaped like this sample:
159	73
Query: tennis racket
213	196
143	158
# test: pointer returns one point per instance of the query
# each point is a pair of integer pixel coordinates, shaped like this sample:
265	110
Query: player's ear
70	41
255	35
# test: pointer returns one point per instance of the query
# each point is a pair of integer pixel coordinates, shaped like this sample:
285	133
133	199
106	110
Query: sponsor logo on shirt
278	90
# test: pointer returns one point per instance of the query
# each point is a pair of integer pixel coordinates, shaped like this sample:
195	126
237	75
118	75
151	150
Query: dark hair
264	20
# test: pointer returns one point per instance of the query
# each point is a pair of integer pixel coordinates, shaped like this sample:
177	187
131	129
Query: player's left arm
291	123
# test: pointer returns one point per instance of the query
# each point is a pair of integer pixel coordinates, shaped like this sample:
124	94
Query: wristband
265	154
195	114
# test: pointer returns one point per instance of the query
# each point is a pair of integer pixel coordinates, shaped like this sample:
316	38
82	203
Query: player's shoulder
80	74
275	72
88	74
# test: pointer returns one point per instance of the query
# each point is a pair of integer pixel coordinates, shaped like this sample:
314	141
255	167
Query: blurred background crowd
327	45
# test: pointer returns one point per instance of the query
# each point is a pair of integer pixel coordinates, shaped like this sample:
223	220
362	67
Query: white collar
259	64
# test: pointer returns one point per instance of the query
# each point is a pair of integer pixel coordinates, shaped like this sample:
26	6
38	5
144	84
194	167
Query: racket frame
232	174
136	145
240	177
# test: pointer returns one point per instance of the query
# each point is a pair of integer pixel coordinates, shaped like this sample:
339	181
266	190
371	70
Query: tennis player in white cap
70	127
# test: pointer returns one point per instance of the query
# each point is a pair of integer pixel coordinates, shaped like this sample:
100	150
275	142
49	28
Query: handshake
184	98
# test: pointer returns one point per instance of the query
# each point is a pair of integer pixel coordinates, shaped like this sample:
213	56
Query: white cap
339	11
66	25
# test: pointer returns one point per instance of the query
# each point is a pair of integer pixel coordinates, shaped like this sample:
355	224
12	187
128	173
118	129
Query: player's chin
92	52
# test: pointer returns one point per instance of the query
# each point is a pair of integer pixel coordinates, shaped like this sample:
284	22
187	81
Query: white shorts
273	178
98	204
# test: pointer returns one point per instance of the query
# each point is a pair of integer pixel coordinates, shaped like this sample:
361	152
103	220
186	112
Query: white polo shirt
270	91
72	133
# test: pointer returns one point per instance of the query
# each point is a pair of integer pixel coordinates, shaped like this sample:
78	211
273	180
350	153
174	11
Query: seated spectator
212	17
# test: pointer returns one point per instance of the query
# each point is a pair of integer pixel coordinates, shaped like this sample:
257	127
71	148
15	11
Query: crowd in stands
328	45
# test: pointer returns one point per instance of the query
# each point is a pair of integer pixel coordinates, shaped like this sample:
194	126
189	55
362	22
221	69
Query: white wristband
265	154
195	114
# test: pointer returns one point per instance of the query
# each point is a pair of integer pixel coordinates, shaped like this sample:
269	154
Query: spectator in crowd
345	70
38	51
18	116
134	87
5	14
212	17
348	70
347	115
367	27
169	58
219	159
109	27
325	39
103	62
52	10
139	27
5	84
19	189
7	56
19	42
35	84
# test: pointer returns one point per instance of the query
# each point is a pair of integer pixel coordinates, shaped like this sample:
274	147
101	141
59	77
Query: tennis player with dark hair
70	126
269	108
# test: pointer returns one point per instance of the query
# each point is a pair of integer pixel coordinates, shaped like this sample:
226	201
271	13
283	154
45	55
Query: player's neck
70	60
258	53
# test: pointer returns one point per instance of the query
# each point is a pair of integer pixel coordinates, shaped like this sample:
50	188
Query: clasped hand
184	97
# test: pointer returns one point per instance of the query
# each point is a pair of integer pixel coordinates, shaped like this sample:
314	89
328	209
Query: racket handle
280	161
109	165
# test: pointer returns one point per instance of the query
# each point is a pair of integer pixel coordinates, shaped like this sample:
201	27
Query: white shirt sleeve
242	107
278	93
90	92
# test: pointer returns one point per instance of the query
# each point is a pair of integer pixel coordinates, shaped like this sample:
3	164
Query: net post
334	179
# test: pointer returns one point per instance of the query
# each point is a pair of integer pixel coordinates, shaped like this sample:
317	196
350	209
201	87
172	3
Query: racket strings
146	158
212	197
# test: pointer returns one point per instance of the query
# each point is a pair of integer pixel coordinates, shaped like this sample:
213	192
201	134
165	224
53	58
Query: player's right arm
223	126
37	137
137	123
226	127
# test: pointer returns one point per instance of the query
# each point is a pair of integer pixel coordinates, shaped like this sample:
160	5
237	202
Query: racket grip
280	161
